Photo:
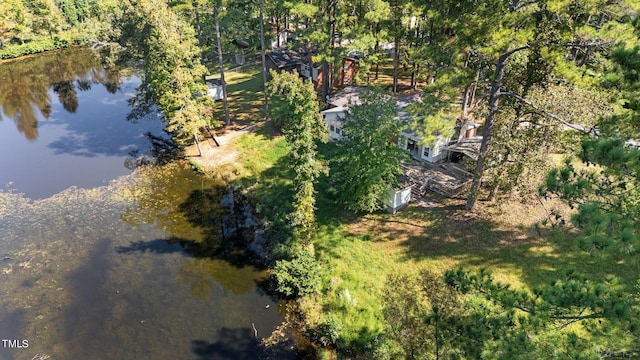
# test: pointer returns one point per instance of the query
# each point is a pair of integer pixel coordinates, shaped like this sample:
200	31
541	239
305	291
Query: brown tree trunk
413	76
487	132
199	32
264	65
464	101
474	88
493	193
324	91
396	63
377	48
224	83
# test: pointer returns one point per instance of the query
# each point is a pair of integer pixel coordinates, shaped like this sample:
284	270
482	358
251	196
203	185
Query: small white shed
214	88
397	199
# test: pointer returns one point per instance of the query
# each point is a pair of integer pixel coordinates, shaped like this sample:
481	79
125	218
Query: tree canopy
540	76
368	162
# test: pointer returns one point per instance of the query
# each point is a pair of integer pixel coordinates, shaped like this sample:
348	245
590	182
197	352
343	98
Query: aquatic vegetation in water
102	271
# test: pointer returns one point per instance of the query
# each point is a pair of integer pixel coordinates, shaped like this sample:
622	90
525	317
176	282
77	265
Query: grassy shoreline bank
359	253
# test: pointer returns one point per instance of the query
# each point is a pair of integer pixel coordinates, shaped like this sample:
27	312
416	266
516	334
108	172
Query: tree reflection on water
25	85
188	207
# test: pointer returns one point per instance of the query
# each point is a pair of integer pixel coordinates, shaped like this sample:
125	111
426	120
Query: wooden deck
447	179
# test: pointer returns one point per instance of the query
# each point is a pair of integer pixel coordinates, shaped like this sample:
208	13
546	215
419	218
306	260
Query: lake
101	258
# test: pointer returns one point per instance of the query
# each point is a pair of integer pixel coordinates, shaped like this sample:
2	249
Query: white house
407	139
410	141
339	105
333	118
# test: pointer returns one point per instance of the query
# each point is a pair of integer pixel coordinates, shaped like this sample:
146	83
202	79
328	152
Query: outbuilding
214	88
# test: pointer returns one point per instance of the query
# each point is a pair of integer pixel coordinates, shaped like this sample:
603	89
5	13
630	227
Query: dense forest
555	86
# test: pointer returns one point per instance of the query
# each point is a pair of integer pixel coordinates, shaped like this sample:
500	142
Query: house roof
402	102
284	58
213	82
350	95
469	147
347	96
337	109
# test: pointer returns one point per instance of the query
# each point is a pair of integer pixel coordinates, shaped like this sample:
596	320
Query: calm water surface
97	261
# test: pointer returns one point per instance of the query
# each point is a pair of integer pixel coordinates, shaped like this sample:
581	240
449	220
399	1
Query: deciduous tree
173	71
368	162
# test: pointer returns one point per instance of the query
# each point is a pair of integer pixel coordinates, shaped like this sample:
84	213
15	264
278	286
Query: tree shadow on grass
268	182
245	97
447	236
442	235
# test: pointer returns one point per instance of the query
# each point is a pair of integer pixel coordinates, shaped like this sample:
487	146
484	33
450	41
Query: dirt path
213	156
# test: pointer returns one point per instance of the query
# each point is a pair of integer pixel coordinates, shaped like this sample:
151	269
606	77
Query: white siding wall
334	124
395	200
432	153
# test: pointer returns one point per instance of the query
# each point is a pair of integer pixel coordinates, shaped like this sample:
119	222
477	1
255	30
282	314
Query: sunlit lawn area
244	96
359	252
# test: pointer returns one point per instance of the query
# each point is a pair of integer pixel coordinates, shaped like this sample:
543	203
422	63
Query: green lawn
358	252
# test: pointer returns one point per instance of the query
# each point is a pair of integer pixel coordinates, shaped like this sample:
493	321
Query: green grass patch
265	173
246	97
359	252
353	282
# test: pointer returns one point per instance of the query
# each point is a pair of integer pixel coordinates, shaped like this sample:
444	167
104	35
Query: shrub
327	332
299	276
35	47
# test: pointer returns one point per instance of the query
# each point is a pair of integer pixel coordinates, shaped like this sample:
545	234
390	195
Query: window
426	152
305	71
314	74
411	145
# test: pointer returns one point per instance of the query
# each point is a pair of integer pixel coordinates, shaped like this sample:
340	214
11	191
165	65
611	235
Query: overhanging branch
549	114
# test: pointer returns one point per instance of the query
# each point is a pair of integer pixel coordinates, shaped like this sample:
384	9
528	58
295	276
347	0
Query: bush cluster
34	47
299	276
